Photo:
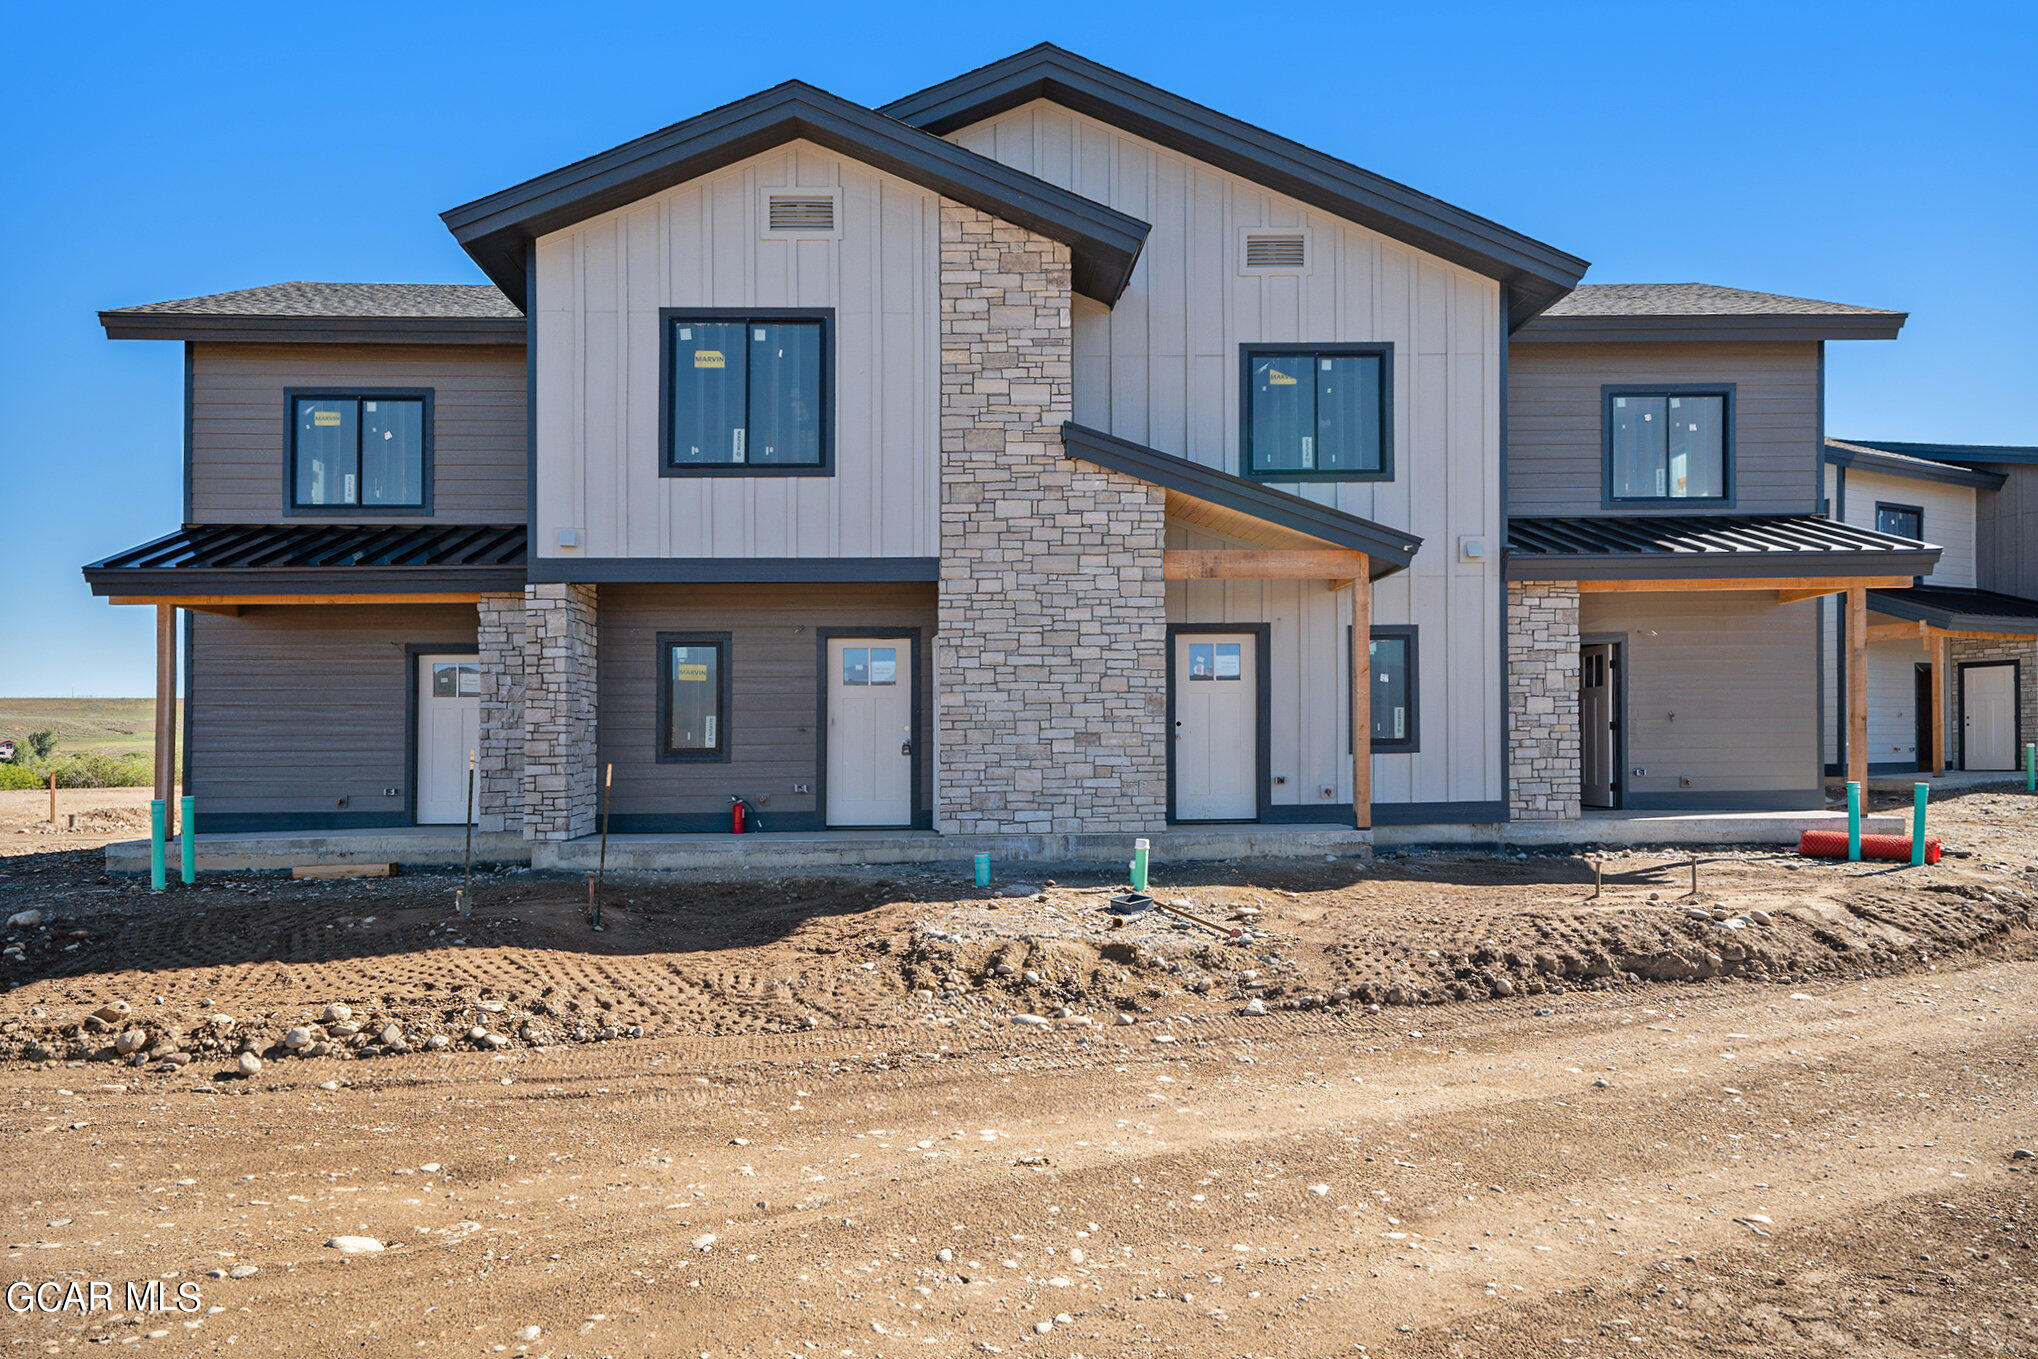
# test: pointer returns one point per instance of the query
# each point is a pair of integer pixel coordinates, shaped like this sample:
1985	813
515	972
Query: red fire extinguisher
739	816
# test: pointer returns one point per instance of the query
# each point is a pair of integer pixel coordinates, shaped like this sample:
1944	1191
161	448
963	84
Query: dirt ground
1485	1112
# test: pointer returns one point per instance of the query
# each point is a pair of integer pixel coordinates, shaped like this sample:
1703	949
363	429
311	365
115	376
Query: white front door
1988	717
1217	729
1595	724
448	728
870	731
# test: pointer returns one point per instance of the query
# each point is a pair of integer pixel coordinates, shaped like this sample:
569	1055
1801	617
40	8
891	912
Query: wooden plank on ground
344	871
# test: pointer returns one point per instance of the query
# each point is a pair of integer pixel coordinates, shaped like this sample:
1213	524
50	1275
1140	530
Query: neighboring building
1023	456
1962	641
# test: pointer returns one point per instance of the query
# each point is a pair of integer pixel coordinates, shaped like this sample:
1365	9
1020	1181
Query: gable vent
801	212
1275	252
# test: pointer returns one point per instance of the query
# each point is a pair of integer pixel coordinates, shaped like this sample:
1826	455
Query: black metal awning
262	559
1666	547
1957	609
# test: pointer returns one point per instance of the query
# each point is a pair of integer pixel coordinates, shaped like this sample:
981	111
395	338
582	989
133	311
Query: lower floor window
693	695
1391	669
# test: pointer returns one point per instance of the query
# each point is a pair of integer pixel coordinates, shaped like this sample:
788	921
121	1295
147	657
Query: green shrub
88	770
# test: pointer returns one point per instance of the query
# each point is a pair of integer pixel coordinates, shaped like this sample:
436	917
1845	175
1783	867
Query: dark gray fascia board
357	580
312	329
1535	274
1715	329
1895	605
1390	549
1716	565
728	570
497	230
2006	455
1883	464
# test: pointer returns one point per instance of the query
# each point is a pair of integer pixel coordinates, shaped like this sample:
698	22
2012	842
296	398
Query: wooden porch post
1362	697
166	714
1942	653
1857	686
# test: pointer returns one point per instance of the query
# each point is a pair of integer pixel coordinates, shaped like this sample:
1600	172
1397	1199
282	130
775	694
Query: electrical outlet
392	792
800	788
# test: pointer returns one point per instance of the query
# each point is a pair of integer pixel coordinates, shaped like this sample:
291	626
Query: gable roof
1705	311
2006	454
497	230
1843	454
1534	274
409	313
1390	549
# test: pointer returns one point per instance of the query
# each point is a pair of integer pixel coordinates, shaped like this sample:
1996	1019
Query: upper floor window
1900	521
1669	443
360	450
1318	412
747	393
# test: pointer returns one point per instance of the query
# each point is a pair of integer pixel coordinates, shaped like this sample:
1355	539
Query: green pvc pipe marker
187	840
1919	792
2031	767
1853	822
1139	861
156	873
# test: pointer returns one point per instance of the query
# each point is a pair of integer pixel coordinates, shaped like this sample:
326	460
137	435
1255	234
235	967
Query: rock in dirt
354	1245
529	1333
244	1271
337	1012
1255	1006
133	1041
390	1036
1029	1019
24	920
298	1039
113	1011
249	1064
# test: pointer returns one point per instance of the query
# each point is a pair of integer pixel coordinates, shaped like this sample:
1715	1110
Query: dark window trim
922	817
1729	480
292	395
1263	671
411	652
1381	631
1383	349
1894	507
668	316
662	659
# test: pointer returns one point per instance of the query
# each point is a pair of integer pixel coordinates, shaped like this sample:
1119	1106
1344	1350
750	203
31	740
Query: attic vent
801	212
1276	252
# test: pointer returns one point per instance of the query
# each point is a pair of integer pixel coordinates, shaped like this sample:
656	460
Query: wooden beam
1180	563
1940	653
216	603
1362	697
1857	686
1789	588
166	714
1896	632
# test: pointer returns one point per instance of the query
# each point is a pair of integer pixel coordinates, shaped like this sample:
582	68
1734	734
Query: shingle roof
1695	299
453	313
1715	545
1958	609
1704	311
445	300
281	558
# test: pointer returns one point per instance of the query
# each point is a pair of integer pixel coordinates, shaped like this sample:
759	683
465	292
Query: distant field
107	726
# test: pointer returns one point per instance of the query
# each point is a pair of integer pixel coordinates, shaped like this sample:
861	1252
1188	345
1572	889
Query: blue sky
1877	154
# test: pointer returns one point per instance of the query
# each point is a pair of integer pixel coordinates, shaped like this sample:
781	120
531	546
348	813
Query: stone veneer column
1543	755
1972	649
499	768
559	709
1051	655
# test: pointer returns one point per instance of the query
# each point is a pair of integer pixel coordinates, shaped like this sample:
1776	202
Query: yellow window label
1277	378
698	674
707	358
325	419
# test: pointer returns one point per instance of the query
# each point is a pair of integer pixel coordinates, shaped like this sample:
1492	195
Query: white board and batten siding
600	285
1948	516
1162	368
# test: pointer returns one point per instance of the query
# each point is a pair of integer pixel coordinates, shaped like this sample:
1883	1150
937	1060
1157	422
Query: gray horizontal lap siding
238	424
294	708
775	675
1555	436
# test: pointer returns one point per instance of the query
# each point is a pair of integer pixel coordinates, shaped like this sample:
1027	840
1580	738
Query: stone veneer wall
1543	751
499	770
559	706
2027	691
1051	658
